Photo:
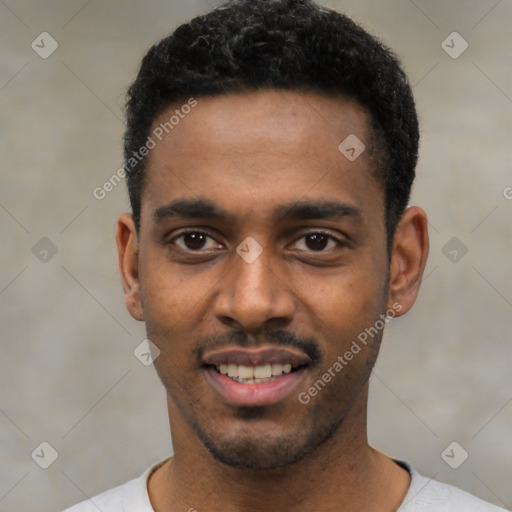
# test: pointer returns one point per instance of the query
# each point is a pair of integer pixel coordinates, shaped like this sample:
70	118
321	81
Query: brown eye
194	241
317	242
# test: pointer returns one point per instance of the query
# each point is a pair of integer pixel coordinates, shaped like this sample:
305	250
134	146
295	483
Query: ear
128	253
408	259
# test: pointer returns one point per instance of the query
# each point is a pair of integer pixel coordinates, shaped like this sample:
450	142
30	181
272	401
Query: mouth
255	377
255	374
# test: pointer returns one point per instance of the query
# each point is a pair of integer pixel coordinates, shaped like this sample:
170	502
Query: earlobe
408	258
128	257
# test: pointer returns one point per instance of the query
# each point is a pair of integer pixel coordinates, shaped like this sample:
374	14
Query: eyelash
198	251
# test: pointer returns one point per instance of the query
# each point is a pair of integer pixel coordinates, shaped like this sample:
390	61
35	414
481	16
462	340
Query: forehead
251	150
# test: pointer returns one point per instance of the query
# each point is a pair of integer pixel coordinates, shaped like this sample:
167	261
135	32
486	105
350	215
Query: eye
195	241
318	242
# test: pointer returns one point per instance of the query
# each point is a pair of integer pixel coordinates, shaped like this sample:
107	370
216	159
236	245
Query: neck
343	474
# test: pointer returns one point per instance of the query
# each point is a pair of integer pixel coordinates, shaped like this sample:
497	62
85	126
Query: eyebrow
191	209
296	210
318	209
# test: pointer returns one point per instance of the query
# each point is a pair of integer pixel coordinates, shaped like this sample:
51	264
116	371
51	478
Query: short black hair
295	45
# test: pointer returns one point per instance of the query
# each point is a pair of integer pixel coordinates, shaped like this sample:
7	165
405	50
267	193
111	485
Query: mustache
309	345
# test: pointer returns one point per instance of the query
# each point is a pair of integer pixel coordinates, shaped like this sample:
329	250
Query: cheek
346	302
169	302
166	290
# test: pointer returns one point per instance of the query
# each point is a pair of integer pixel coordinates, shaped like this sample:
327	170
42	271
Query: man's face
268	163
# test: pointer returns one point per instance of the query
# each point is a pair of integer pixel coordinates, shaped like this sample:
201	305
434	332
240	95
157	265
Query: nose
253	295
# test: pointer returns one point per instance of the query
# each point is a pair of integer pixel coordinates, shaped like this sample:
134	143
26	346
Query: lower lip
253	395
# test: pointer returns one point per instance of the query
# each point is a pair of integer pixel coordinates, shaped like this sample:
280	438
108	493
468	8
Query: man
270	152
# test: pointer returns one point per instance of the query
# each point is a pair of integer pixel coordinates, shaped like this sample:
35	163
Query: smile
254	374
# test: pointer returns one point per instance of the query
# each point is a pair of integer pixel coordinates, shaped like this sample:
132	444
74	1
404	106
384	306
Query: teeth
278	369
246	372
262	372
249	373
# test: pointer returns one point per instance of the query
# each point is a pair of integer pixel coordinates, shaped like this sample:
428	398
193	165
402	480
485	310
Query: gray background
67	371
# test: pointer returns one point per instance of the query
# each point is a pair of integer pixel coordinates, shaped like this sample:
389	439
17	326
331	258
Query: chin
267	448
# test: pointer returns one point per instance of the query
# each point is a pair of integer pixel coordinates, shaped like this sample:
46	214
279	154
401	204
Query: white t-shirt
424	495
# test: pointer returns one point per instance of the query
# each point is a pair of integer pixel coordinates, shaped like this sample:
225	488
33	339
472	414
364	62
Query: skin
248	153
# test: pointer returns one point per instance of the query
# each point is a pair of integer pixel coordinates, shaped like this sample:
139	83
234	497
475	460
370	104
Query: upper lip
257	356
